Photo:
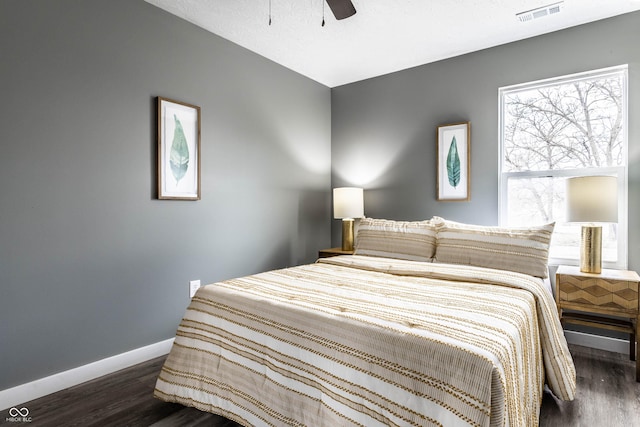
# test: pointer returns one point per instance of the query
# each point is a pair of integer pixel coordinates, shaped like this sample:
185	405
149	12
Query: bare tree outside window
556	129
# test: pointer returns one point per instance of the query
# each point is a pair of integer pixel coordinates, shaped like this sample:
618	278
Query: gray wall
91	263
384	129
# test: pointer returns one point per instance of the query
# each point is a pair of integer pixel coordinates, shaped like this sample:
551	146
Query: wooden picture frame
178	150
454	169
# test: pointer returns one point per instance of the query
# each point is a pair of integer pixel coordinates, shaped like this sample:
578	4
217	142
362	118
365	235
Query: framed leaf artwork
454	162
178	150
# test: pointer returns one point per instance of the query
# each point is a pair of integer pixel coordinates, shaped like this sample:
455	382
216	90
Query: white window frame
621	171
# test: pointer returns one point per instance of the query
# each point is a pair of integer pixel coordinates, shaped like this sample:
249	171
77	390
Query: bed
379	338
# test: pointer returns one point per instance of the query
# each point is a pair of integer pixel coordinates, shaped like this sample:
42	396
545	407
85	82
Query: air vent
541	12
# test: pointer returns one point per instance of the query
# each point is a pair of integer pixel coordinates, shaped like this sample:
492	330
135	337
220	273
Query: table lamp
592	199
348	204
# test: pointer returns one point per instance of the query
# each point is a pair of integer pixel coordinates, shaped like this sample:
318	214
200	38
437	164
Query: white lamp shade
592	199
348	202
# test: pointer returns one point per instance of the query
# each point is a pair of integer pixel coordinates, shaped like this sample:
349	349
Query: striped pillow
410	240
523	250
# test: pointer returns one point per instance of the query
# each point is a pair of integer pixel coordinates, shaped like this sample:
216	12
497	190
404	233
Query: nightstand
610	293
326	253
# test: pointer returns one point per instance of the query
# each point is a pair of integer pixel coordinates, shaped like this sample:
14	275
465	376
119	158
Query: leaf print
179	157
453	164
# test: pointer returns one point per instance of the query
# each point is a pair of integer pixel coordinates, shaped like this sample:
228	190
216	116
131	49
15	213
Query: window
559	128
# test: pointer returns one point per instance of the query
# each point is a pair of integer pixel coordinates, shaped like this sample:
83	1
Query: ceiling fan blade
341	8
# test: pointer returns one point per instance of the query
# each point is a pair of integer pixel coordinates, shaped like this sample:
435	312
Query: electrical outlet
193	287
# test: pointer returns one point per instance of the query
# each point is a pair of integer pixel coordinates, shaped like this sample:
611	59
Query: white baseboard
615	345
44	386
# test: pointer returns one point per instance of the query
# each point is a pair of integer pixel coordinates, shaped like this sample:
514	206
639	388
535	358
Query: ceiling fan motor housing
341	8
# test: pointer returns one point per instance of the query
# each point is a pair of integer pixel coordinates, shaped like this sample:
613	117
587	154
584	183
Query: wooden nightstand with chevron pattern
592	298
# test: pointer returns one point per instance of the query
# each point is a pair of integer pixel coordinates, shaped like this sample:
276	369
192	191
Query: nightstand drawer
326	253
605	293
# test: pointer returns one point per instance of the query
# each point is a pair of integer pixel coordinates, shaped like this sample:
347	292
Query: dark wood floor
608	395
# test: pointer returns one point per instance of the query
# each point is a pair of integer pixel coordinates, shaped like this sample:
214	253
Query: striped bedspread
356	340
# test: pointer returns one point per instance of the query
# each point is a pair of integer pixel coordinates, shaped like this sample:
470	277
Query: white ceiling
384	35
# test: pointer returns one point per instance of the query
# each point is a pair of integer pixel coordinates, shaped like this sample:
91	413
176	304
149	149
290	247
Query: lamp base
347	234
591	249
